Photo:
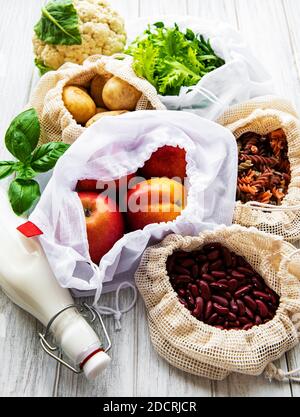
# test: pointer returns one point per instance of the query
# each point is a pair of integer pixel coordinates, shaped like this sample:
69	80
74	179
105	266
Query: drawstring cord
263	207
117	312
272	372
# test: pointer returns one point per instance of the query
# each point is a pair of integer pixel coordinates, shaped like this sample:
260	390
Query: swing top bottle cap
94	365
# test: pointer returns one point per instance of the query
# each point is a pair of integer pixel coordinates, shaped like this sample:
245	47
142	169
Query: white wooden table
272	29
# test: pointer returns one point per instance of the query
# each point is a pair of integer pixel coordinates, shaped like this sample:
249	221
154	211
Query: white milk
26	277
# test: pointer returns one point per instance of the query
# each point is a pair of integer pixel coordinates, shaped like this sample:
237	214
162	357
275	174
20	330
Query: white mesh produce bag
241	78
114	147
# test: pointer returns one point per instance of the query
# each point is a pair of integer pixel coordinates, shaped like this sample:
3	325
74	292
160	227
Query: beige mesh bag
56	121
206	351
262	116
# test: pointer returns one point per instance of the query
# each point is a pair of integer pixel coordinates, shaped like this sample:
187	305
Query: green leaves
6	168
23	194
43	69
21	140
59	24
23	134
46	156
170	59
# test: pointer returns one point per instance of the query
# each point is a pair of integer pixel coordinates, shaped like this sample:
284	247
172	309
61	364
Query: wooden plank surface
271	29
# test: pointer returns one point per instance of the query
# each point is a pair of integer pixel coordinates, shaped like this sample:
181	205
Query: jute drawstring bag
203	350
56	121
262	116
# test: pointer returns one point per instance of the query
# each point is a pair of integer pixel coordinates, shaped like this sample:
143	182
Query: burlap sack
56	121
203	350
264	115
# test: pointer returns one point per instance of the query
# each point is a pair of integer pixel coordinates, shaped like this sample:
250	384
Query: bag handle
262	206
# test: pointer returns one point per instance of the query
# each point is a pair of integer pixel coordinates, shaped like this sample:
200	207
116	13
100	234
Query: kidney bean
224	282
213	256
227	295
248	327
208	277
183	302
223	311
205	290
216	266
180	270
187	263
249	313
242	291
233	260
262	308
250	302
201	258
194	290
204	268
190	299
274	299
218	274
246	271
226	325
231	316
208	310
257	284
195	271
237	275
236	324
244	320
211	246
219	327
241	307
234	307
182	279
220	320
232	284
226	256
181	292
258	321
220	300
213	318
262	295
198	310
218	286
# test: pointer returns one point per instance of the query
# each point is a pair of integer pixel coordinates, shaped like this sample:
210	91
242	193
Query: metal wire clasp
49	349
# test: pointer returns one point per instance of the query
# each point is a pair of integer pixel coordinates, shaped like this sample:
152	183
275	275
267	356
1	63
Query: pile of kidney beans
221	288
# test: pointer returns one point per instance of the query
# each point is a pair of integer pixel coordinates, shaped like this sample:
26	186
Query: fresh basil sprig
59	24
21	140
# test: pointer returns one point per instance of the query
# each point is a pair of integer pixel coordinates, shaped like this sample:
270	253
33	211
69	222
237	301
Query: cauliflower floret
102	31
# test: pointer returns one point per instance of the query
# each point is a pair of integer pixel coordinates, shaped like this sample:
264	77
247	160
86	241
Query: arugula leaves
21	140
170	59
59	24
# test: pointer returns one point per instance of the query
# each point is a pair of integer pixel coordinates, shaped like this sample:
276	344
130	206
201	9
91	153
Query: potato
79	103
103	114
118	94
100	110
97	85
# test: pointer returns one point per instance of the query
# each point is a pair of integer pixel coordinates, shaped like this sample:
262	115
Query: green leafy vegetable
23	194
21	140
41	66
45	157
23	134
59	24
170	59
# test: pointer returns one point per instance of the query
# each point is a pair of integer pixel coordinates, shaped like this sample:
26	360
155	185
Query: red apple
91	185
167	161
104	223
154	201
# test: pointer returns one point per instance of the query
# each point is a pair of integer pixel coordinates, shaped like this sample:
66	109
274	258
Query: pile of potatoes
107	95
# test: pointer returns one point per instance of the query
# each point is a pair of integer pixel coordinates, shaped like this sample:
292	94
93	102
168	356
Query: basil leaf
23	134
6	168
45	157
41	66
59	24
25	172
23	194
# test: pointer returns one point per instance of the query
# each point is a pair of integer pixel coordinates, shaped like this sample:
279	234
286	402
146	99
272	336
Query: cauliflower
102	32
